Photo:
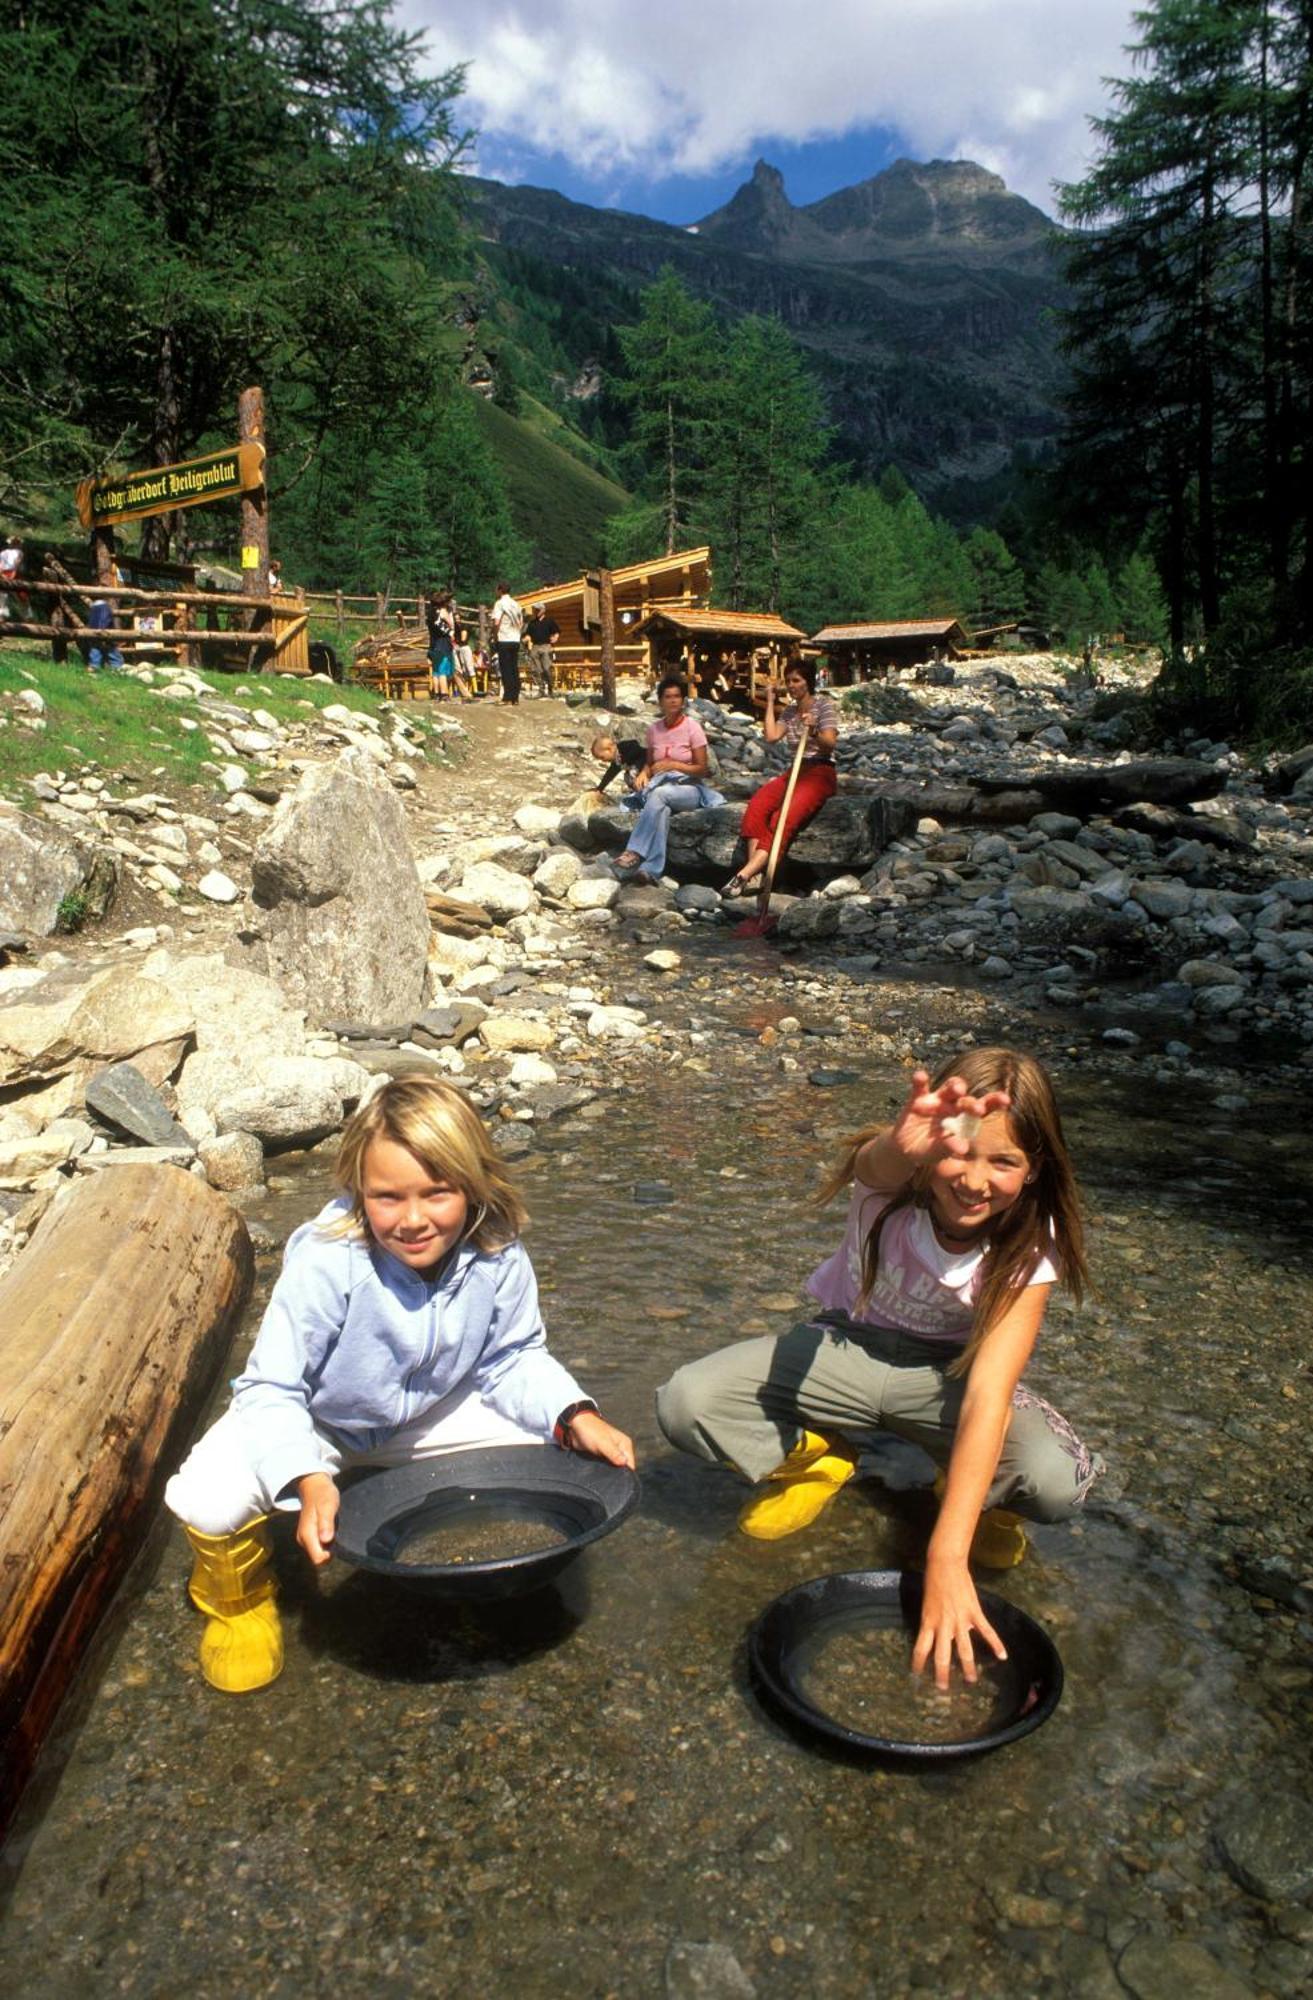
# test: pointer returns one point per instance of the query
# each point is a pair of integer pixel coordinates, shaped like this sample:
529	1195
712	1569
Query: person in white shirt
508	625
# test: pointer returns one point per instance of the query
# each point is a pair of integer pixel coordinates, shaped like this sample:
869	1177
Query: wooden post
255	514
380	608
606	613
102	554
255	507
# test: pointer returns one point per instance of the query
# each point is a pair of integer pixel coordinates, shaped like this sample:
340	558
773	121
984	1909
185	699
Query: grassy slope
559	505
126	727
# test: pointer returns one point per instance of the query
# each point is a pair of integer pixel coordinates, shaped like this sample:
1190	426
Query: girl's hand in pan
950	1613
934	1123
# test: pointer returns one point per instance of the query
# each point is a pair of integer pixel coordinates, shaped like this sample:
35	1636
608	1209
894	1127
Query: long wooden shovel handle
777	842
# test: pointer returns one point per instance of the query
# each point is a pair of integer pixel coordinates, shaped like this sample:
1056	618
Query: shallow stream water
581	1792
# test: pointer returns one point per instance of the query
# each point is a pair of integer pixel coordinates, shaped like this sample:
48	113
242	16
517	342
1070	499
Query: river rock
455	1021
55	1029
536	820
23	1160
1266	1842
337	914
294	1103
530	1070
502	892
41	867
232	1160
593	893
120	1096
508	1034
705	1972
216	887
1154	1968
554	877
616	1023
808	919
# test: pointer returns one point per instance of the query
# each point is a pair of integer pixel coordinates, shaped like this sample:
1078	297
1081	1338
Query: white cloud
692	86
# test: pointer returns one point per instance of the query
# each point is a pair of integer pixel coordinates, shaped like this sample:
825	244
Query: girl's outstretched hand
591	1434
950	1613
925	1128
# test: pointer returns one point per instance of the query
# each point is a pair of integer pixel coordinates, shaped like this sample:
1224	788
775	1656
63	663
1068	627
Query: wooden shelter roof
660	569
734	624
895	628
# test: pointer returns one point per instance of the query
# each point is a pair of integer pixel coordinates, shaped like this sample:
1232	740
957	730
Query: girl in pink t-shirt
963	1215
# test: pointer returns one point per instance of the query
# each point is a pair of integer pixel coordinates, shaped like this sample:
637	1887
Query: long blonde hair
438	1124
1043	1221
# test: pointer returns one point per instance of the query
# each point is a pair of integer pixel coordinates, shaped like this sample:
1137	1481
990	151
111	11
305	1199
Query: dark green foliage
1191	417
216	192
671	358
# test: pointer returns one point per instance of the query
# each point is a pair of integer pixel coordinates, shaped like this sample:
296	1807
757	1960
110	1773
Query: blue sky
664	110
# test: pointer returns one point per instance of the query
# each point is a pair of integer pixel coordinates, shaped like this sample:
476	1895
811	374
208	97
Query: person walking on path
676	781
508	628
963	1215
543	634
405	1325
817	778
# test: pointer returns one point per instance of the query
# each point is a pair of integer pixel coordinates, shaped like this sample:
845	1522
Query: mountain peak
758	216
913	207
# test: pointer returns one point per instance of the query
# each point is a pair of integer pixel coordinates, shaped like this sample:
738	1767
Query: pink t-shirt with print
920	1287
682	742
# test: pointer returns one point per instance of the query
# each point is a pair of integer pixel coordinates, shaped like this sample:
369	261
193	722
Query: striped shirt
824	715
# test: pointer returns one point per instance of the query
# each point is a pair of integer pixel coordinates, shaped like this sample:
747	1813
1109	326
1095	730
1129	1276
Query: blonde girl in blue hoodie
405	1323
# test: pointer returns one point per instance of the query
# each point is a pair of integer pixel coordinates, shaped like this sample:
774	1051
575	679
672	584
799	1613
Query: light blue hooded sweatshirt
356	1344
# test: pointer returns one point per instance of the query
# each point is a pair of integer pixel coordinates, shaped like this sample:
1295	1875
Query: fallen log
114	1323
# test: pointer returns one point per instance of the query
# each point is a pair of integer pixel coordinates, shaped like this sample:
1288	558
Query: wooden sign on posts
220	475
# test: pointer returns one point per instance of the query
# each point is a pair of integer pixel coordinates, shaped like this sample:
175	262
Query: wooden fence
197	627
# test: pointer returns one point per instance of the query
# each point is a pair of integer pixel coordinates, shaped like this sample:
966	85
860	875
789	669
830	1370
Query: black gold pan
787	1650
541	1505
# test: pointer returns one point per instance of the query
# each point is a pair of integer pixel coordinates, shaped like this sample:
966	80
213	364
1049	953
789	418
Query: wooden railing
276	638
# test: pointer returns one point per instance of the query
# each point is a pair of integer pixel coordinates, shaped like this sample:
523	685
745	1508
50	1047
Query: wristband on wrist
561	1428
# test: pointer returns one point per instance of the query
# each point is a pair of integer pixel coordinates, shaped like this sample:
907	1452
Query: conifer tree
672	361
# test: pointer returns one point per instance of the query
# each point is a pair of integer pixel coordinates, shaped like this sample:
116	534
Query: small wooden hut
724	654
867	651
678	580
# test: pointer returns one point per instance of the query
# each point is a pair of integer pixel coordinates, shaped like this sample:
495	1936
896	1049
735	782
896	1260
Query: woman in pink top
963	1215
674	780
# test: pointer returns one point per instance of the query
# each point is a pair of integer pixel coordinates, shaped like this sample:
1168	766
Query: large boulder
337	914
44	872
847	835
56	1029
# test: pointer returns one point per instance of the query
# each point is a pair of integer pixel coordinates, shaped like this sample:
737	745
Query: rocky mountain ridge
924	298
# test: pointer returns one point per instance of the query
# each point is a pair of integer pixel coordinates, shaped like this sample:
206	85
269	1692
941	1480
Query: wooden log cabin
727	656
678	581
867	651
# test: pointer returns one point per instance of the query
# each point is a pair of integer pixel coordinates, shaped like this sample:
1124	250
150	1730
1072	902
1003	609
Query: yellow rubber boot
232	1582
801	1488
1000	1539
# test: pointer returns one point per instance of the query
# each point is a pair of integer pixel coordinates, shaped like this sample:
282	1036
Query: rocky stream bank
586	1789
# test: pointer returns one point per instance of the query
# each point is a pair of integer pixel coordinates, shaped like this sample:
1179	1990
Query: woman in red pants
816	780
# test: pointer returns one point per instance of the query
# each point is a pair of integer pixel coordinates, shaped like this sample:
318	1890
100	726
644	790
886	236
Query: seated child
405	1323
962	1217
